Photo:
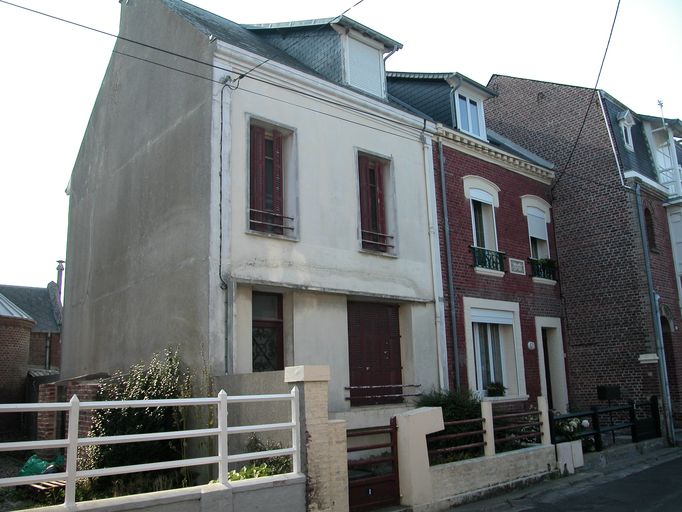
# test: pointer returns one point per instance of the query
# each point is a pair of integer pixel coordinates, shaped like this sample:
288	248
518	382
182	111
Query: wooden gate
373	475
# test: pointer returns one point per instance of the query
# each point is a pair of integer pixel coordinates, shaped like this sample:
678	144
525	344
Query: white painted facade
321	264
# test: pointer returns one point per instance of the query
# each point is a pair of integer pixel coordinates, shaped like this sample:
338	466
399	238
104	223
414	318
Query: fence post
633	421
222	438
545	420
296	430
656	415
598	446
489	435
72	453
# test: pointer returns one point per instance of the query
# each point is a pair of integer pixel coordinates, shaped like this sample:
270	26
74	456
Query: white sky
51	74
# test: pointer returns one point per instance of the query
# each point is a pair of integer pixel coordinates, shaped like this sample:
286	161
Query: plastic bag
37	466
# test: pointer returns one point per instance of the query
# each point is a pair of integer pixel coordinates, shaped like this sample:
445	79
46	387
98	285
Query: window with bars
374	213
268	181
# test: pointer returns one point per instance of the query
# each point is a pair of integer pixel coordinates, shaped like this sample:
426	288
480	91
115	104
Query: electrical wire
589	104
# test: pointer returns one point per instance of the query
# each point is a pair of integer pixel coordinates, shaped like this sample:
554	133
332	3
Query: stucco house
618	224
251	194
504	320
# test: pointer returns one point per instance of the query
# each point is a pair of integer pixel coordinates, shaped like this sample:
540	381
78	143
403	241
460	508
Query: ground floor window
494	347
266	332
374	353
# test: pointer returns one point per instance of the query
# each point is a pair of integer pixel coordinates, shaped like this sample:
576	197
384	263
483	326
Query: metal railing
380	393
625	418
514	430
464	436
270	222
375	241
73	442
545	268
487	258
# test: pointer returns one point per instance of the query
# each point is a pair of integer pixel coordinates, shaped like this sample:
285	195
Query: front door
374	353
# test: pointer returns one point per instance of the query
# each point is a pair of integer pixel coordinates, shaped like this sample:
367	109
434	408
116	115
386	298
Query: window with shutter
267	181
372	174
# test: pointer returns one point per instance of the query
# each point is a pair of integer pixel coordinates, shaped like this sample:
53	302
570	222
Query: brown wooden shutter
277	185
256	185
381	212
365	205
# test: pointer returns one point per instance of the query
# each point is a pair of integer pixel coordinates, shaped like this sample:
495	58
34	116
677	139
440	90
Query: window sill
288	238
378	253
511	398
542	280
489	272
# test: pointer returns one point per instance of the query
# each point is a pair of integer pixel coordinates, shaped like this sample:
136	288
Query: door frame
557	360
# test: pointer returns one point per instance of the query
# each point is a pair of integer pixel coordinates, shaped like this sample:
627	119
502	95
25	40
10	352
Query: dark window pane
266	306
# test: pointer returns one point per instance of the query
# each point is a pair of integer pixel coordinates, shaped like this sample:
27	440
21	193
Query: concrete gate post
323	442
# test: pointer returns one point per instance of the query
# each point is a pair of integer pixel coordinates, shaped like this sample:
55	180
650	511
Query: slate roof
39	303
640	159
344	21
10	310
233	33
428	95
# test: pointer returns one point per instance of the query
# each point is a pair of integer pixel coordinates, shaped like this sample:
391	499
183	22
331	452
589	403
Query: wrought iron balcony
487	258
545	268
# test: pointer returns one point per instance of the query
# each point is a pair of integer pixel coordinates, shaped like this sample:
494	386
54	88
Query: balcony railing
374	241
487	258
270	222
545	268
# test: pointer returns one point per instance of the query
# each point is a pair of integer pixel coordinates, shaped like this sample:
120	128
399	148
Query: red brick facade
608	318
534	299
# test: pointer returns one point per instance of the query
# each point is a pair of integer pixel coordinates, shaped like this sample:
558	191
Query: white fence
222	431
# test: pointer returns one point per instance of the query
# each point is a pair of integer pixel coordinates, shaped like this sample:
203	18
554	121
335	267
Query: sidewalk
608	465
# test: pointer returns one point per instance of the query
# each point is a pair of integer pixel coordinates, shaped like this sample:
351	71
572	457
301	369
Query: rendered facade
258	219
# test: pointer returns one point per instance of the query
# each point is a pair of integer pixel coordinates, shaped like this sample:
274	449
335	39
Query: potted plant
495	389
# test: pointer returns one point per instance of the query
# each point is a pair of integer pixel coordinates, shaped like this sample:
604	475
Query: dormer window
365	67
470	115
626	122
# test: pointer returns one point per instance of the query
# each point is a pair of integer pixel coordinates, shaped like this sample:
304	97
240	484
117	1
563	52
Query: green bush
456	405
161	378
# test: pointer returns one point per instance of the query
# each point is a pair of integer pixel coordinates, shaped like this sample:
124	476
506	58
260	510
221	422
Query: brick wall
603	282
512	235
38	346
15	335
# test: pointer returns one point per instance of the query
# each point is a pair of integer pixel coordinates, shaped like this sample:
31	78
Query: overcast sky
51	72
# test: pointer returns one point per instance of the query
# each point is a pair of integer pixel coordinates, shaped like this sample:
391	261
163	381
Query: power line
297	41
589	104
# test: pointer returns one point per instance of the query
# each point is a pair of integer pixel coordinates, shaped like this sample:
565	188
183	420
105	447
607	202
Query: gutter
448	254
436	267
453	90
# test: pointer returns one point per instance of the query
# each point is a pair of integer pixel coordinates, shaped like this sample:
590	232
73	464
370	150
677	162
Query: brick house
497	245
613	312
44	306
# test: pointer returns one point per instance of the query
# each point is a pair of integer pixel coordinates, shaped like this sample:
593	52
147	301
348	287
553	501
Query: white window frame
486	192
536	207
626	124
481	117
502	312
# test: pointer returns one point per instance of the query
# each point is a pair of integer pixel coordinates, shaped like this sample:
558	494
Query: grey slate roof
39	303
640	159
428	95
232	33
10	310
344	21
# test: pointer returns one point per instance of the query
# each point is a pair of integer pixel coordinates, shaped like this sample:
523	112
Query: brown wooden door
374	353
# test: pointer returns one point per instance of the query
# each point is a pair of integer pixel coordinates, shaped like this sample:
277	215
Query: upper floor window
537	212
365	66
270	180
483	197
470	115
375	218
626	122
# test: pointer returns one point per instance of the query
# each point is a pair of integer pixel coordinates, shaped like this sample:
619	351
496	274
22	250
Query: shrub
456	405
161	378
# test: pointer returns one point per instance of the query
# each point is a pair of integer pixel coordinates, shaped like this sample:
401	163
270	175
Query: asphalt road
657	488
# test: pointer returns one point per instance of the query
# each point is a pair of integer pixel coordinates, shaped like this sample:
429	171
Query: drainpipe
60	277
436	267
453	108
448	254
656	318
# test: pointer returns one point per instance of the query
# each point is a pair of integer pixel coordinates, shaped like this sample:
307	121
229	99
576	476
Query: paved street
657	488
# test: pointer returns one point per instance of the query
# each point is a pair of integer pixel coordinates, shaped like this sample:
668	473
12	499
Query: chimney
60	274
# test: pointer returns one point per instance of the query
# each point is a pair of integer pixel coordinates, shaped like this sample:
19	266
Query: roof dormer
340	49
468	98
